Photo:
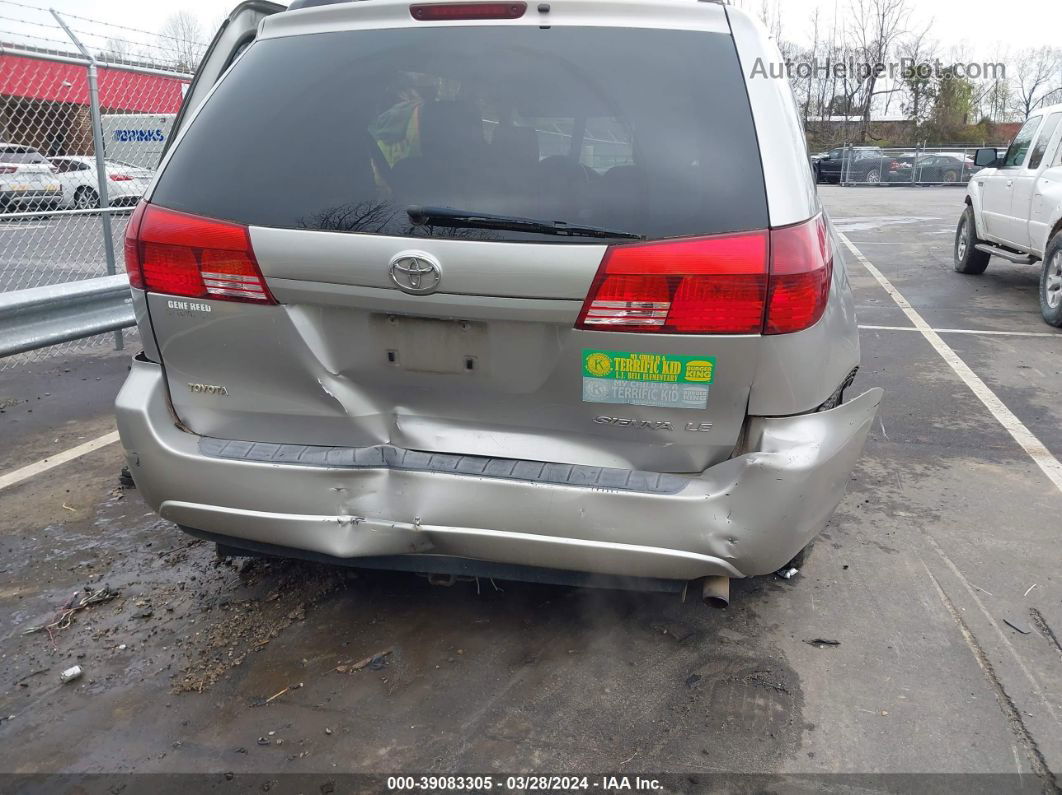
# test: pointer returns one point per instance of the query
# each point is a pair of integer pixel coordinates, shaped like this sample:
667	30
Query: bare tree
183	41
1034	74
917	52
811	93
873	29
116	50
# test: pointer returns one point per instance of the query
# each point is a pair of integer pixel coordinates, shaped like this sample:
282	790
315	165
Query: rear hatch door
449	337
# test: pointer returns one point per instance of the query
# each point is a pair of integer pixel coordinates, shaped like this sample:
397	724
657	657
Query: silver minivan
494	289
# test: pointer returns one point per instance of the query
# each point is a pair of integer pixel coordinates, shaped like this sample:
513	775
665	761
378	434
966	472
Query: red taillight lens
8	169
120	178
181	254
132	249
426	12
714	285
801	267
710	285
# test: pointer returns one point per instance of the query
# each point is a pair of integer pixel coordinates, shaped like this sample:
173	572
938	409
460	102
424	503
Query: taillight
801	267
747	283
8	169
120	178
132	248
181	254
426	12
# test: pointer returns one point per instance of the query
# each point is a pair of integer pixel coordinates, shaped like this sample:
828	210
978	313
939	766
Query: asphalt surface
937	585
56	248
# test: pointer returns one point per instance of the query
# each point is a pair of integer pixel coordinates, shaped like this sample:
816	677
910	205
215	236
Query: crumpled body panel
745	516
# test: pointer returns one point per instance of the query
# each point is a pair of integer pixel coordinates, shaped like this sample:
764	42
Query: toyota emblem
416	272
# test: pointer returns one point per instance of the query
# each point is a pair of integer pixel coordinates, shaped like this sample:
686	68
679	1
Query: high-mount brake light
757	282
181	254
432	12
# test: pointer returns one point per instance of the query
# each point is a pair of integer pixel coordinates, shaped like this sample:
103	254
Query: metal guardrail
43	316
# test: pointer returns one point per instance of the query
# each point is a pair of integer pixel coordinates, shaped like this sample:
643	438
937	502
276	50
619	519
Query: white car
125	183
27	180
1014	208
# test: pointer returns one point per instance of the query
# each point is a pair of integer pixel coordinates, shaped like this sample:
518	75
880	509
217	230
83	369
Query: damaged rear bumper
745	516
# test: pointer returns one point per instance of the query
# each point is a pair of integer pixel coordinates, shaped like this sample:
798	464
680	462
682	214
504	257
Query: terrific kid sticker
647	379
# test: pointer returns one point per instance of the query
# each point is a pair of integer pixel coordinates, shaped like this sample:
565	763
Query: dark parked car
841	161
879	169
929	169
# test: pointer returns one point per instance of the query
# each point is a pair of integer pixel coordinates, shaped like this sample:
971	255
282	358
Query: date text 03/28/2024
524	783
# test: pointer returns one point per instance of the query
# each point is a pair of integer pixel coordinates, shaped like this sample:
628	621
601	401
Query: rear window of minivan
636	130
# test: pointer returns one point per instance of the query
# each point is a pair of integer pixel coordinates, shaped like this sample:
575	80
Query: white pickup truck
1014	208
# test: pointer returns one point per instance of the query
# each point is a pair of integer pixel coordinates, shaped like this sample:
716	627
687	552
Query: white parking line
1055	334
1022	435
26	472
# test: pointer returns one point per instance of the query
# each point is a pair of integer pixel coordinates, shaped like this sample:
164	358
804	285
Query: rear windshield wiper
463	219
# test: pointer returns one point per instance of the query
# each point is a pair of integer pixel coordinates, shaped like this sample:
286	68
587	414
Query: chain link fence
85	112
919	165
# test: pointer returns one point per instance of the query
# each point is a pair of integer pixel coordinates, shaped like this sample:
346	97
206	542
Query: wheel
950	176
872	177
1051	283
86	199
967	258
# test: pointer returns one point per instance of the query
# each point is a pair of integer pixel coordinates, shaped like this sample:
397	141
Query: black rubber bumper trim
442	564
388	457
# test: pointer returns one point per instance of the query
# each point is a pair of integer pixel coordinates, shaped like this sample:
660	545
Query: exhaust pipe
715	591
442	580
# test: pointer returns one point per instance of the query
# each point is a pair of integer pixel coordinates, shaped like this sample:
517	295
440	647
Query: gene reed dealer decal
647	379
186	308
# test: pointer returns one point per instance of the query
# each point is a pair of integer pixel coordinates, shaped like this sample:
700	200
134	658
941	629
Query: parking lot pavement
55	249
943	555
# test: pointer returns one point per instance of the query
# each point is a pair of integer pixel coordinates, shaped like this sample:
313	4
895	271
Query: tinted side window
1040	148
343	131
1020	145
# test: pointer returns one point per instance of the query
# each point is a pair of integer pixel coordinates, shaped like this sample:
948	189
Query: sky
983	27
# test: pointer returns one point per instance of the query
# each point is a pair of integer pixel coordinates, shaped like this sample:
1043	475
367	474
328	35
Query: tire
950	176
1051	283
86	199
968	259
873	177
